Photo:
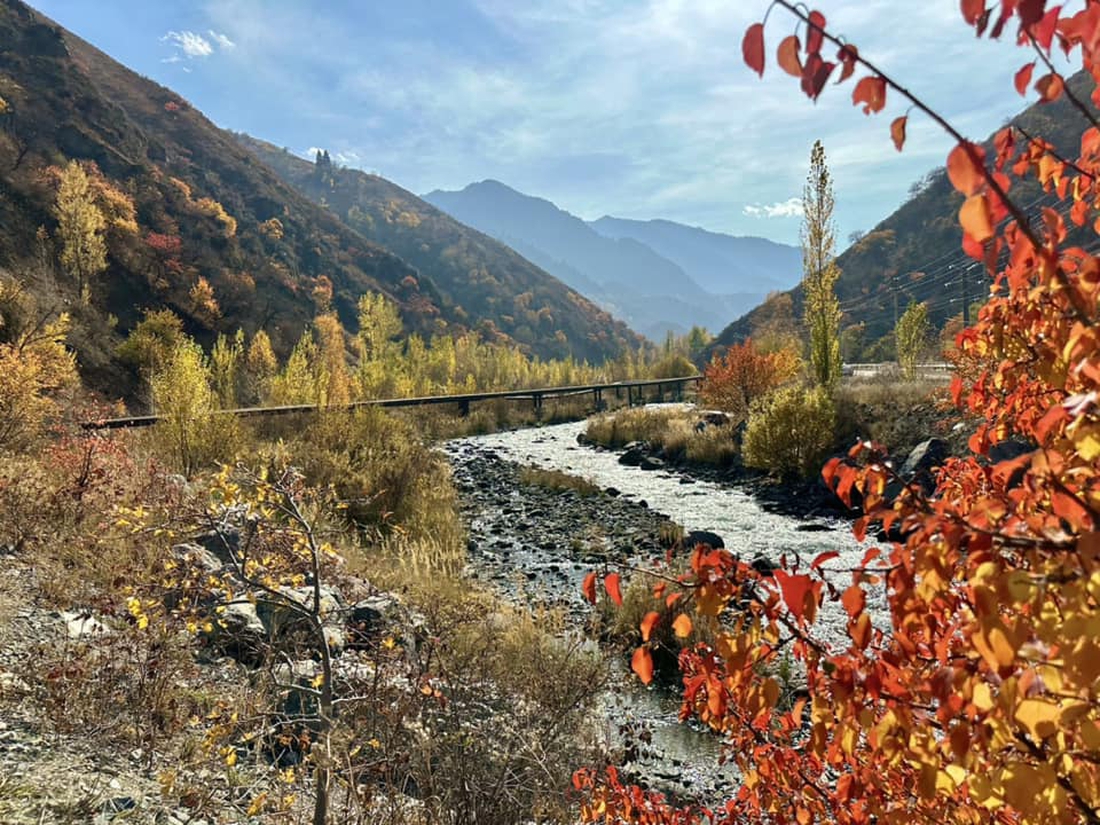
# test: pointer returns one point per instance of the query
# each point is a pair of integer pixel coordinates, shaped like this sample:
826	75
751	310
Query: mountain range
659	276
198	207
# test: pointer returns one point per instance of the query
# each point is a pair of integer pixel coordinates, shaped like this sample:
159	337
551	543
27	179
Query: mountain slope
721	264
651	292
472	271
915	253
203	209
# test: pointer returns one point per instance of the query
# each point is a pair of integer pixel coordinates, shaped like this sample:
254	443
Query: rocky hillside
479	276
195	222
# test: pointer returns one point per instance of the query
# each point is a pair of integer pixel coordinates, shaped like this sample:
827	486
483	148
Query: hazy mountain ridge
652	290
473	272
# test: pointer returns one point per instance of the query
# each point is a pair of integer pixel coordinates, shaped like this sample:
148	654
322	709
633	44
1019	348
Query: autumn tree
821	312
261	366
740	375
184	400
35	366
912	334
80	228
959	678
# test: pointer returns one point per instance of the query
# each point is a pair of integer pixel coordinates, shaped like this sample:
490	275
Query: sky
634	108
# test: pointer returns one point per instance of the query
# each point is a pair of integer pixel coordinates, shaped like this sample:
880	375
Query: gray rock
703	537
195	555
633	453
925	457
82	624
651	463
1008	450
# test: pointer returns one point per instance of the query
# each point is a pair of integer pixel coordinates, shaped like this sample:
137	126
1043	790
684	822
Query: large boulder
925	457
240	633
652	463
634	453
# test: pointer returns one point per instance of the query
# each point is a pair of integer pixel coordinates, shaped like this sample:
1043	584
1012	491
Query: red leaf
1050	87
815	37
1070	509
814	75
1030	11
648	623
752	48
897	131
972	10
642	664
1054	416
672	599
795	589
1043	31
871	92
822	558
847	56
828	472
589	588
611	585
787	56
965	168
1023	78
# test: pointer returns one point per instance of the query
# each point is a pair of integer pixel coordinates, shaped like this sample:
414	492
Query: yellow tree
822	310
80	227
261	365
183	398
332	361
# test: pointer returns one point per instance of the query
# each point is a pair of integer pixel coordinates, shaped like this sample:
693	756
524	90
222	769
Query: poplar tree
80	227
821	311
911	338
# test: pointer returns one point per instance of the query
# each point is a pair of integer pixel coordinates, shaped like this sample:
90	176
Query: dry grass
558	481
672	430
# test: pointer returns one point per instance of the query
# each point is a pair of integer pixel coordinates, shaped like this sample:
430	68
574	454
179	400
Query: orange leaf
966	168
1049	87
854	600
871	92
682	626
752	48
648	623
897	131
672	599
787	56
821	558
642	664
1023	78
588	588
975	218
795	589
861	631
611	585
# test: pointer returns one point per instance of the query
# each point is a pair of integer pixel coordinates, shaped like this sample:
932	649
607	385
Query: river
535	544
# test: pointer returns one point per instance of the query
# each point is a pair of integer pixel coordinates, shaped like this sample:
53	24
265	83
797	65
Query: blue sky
635	108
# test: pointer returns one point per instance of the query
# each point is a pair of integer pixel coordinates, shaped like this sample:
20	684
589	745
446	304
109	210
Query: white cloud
224	42
191	45
790	208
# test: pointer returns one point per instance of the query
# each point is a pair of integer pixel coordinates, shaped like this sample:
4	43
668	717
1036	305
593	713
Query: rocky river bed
535	544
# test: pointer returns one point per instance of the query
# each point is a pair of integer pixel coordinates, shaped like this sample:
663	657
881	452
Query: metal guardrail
537	396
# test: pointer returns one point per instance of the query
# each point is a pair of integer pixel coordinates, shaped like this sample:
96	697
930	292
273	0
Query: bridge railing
464	400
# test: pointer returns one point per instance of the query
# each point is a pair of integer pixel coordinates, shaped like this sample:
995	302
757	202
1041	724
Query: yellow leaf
1040	716
318	680
682	626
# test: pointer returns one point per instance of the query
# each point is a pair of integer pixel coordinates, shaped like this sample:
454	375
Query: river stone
633	453
925	456
703	537
651	463
1008	450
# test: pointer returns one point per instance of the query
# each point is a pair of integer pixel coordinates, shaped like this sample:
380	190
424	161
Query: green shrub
790	432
